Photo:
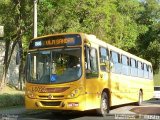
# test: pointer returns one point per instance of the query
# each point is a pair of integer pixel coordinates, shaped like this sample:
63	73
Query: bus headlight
75	93
30	94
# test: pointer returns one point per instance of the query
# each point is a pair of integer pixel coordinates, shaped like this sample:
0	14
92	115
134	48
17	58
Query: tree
148	44
132	25
71	16
125	30
16	17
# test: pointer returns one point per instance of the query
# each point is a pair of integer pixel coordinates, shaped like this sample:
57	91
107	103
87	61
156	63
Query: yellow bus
78	71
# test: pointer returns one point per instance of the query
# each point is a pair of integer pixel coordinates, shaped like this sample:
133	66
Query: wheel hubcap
104	104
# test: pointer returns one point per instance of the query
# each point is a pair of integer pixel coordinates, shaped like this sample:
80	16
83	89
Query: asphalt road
149	110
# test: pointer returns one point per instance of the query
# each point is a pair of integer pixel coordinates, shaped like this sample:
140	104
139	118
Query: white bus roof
94	39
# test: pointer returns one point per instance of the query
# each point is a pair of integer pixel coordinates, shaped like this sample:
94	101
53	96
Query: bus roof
93	39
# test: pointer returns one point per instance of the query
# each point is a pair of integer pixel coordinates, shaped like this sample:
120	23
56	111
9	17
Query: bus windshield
54	66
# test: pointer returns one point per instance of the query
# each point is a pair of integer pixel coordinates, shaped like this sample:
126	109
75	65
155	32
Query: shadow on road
70	115
62	115
151	107
147	110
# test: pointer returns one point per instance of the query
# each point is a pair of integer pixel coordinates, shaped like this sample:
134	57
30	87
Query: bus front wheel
104	105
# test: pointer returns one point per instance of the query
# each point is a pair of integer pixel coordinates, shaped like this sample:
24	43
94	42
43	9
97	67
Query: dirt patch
146	110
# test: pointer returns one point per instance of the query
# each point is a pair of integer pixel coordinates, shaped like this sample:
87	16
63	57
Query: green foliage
71	16
125	29
7	100
17	18
157	79
148	43
132	25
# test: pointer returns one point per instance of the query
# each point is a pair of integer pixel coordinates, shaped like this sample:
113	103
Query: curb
16	110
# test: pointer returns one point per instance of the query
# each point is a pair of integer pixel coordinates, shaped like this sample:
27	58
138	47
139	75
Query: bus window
54	66
103	52
133	67
115	58
91	62
146	73
125	65
150	72
140	69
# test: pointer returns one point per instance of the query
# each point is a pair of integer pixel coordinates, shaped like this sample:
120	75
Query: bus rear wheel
140	99
104	105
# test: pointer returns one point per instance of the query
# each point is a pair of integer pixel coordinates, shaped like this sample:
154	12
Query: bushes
7	100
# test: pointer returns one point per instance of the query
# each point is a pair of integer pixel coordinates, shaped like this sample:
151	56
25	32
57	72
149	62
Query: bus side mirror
109	64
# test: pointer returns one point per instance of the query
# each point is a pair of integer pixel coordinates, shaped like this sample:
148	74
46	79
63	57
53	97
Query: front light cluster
76	92
30	94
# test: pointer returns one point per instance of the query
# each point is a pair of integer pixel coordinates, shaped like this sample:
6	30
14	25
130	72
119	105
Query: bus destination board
55	41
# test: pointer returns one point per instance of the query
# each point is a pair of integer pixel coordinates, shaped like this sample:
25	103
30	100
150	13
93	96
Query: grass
157	79
11	97
7	100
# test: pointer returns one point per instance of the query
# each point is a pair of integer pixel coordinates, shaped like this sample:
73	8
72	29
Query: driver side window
91	62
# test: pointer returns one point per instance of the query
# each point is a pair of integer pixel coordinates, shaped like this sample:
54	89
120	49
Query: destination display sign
55	41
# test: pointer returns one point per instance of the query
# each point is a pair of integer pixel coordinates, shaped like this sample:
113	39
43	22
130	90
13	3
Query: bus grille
57	103
54	96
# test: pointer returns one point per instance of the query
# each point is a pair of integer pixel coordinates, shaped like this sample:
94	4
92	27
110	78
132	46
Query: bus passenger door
92	74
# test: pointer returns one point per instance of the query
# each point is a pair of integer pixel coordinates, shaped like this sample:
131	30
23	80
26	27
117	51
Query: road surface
149	110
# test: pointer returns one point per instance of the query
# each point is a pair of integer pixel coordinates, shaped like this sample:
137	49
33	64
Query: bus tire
104	105
140	98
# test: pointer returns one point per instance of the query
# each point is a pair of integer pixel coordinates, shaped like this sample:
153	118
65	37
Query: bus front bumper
61	104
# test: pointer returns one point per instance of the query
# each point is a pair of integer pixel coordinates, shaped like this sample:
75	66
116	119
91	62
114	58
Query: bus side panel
123	90
126	89
93	95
